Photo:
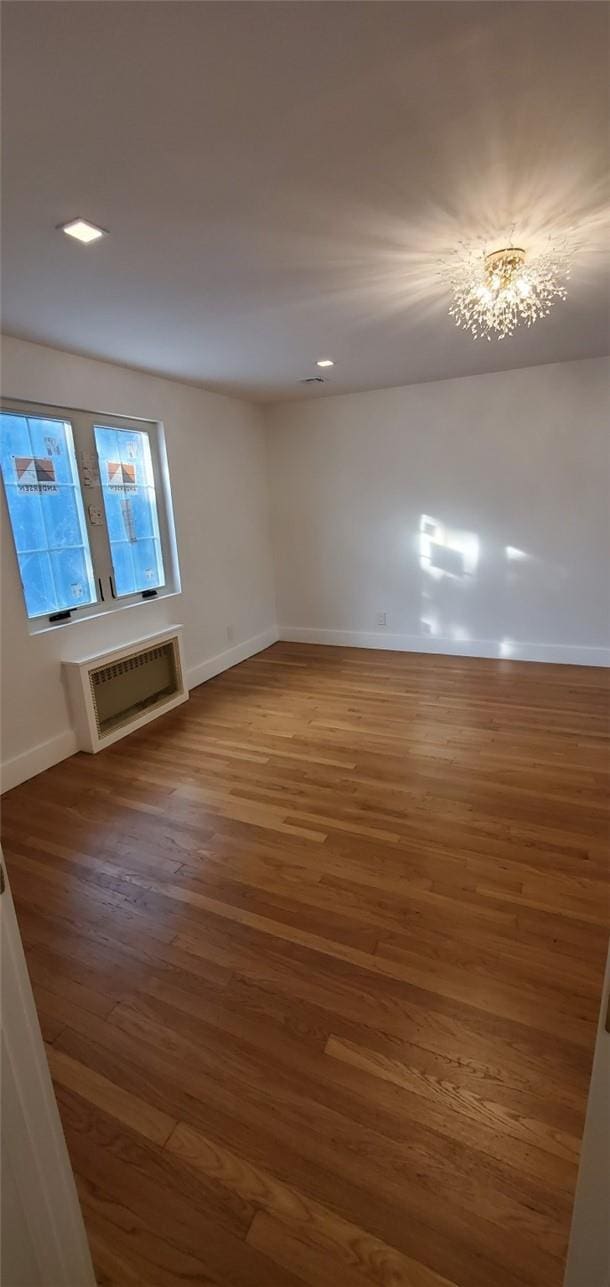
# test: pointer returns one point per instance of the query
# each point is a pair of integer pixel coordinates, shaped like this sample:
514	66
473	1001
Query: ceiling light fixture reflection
325	362
496	292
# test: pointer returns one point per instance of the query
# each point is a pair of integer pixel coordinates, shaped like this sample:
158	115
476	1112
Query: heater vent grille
123	692
124	689
121	667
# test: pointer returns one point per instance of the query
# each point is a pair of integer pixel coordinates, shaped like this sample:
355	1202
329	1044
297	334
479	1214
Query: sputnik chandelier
495	292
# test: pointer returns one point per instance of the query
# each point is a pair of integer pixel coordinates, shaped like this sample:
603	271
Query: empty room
305	606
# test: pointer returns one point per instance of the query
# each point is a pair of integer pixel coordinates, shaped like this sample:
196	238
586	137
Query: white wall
217	460
516	459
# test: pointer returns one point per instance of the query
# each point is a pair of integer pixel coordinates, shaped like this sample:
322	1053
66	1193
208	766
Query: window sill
42	626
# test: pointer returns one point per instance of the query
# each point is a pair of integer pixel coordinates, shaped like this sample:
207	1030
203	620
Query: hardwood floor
318	960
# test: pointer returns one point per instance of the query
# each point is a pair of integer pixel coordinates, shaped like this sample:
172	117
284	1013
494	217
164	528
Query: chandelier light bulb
496	292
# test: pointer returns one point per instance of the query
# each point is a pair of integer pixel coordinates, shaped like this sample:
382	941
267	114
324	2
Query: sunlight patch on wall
444	551
514	554
429	625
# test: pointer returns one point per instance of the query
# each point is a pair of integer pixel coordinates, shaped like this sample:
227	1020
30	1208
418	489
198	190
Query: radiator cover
114	693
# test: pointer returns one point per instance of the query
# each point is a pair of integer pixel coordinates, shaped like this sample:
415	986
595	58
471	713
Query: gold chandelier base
502	265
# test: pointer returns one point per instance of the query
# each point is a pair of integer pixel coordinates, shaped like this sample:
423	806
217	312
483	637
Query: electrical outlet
382	618
230	633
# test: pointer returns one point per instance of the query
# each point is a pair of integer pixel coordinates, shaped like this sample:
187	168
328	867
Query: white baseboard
566	654
230	657
30	763
37	759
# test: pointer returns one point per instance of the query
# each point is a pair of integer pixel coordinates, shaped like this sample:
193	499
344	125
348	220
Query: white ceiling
280	181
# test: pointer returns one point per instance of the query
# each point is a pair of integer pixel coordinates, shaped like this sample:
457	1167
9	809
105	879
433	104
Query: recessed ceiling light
82	230
325	362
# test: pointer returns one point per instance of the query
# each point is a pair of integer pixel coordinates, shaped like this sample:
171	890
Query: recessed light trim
82	230
325	362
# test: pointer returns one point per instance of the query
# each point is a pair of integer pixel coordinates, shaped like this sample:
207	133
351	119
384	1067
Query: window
88	502
130	502
46	511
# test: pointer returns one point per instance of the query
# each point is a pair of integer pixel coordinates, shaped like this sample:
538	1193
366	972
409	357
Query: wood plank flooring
318	960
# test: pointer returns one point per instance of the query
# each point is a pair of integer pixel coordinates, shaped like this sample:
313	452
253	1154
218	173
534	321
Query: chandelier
494	293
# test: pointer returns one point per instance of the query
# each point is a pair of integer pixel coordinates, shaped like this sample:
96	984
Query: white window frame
82	424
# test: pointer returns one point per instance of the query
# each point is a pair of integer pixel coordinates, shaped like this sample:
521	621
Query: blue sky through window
128	487
46	512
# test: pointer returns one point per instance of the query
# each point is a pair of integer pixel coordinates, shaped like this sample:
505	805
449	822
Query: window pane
130	502
38	585
46	512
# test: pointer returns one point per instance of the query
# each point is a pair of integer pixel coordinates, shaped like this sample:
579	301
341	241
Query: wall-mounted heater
114	693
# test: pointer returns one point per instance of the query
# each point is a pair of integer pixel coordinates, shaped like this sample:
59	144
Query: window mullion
93	503
162	523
